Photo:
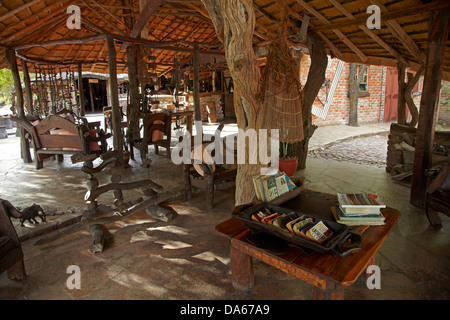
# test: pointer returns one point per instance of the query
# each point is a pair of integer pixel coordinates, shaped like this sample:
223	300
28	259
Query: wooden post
437	36
114	91
401	105
11	59
28	92
197	112
91	95
80	88
144	32
353	95
10	56
133	126
412	80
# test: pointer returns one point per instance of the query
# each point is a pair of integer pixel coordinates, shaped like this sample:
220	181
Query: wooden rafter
401	34
102	7
36	24
18	9
106	21
395	14
147	11
370	33
339	33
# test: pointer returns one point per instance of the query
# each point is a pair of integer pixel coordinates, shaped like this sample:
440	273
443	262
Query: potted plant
288	161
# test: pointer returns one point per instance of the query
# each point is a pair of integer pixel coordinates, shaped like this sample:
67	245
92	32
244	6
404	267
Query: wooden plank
52	122
60	141
437	36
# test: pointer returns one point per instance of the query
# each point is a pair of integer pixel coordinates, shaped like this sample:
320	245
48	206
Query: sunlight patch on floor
170	229
211	256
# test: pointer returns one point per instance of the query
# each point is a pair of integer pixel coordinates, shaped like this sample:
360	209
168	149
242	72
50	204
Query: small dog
31	213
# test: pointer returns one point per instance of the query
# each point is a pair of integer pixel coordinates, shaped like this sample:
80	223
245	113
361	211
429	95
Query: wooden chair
438	196
209	176
157	132
11	254
56	135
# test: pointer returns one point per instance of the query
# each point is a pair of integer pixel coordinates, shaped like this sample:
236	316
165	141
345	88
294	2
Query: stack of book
359	209
269	187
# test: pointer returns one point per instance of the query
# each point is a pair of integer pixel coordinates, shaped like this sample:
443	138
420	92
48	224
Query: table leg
241	270
333	291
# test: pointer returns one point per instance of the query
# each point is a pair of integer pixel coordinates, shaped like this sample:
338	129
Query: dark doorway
95	95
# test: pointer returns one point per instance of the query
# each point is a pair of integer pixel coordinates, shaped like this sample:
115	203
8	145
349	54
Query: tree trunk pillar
437	36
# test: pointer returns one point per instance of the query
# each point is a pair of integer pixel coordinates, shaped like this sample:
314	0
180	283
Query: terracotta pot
288	166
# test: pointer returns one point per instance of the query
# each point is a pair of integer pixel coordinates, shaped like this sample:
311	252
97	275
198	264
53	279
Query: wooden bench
327	273
56	135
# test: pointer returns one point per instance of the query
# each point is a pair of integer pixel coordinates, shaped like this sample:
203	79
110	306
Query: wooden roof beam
362	19
109	13
18	9
147	11
108	23
36	24
330	45
401	34
339	33
96	37
371	34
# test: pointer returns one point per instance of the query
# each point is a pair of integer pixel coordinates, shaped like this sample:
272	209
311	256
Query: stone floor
185	258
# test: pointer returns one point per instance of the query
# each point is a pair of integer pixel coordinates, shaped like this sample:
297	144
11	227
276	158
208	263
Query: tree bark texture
234	21
316	77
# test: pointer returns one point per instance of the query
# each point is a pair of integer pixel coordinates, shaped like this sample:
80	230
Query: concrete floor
185	258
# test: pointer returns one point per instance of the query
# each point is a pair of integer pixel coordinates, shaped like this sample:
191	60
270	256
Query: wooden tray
341	243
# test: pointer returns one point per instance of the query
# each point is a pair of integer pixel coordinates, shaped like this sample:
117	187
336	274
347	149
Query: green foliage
6	84
288	150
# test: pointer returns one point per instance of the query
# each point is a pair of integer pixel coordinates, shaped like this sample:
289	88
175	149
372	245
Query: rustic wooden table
328	273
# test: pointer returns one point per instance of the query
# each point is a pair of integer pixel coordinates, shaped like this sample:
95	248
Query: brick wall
444	104
370	108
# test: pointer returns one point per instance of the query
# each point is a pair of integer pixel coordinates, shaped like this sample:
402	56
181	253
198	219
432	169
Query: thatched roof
175	26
